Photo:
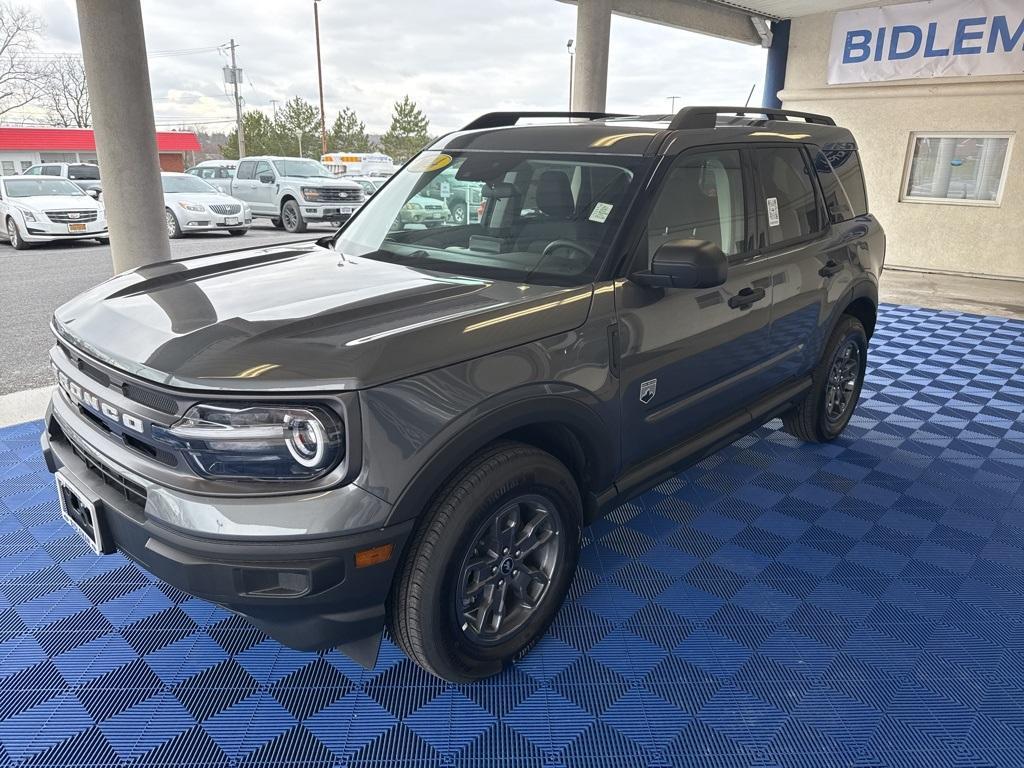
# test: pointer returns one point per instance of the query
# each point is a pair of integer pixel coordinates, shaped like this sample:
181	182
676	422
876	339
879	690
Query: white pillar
593	30
114	50
943	168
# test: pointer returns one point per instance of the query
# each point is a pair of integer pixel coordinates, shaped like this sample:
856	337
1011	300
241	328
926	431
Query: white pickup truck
294	191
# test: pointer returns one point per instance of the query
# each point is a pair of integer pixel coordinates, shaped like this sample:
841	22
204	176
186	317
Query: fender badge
648	390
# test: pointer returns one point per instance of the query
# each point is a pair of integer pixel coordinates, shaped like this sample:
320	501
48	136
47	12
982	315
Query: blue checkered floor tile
852	604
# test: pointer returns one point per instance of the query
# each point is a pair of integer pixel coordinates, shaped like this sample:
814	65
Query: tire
173	227
821	417
516	482
14	235
277	223
459	214
291	218
103	240
237	232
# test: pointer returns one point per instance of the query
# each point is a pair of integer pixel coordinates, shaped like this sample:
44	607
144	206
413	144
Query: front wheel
837	382
490	565
237	232
103	240
173	227
291	218
14	235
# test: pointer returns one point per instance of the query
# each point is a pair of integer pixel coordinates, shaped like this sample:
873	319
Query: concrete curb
27	405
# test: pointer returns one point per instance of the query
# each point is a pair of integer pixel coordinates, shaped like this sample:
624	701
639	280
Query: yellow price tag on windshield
429	162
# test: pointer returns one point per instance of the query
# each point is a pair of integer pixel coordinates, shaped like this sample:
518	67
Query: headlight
413	207
192	207
311	193
29	216
258	442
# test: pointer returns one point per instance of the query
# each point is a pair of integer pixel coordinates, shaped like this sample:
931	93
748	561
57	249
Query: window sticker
601	212
773	211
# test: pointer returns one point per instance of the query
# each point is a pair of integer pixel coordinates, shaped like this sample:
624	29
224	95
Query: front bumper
207	221
329	211
305	592
44	231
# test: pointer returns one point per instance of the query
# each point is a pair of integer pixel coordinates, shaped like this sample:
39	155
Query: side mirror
266	178
686	264
93	193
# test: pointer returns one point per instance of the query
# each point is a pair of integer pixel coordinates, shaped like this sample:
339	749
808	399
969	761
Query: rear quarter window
246	169
842	182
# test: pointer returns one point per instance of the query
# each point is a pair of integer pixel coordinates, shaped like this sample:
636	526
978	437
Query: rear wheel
837	382
173	227
490	565
291	217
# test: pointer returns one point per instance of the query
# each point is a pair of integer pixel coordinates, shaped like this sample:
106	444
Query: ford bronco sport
410	427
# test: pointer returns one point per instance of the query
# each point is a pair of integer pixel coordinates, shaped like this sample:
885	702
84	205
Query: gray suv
410	427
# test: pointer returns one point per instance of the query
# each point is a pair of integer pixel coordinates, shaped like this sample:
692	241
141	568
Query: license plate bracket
84	515
231	220
76	227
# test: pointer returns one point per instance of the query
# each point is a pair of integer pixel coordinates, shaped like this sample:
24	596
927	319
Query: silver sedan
192	205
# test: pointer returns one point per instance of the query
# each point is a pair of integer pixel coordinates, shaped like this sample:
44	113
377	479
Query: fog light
374	555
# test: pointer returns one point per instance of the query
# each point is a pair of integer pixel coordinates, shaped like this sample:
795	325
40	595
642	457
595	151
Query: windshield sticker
429	162
600	212
773	211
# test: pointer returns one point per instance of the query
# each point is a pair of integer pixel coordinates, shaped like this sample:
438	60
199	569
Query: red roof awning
83	140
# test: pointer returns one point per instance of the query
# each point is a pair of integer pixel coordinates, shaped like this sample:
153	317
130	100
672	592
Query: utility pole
320	78
572	63
238	102
673	99
273	104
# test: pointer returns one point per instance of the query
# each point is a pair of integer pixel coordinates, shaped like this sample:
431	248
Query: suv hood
302	318
322	181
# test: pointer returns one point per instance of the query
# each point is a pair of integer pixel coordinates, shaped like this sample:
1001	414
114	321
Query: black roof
602	133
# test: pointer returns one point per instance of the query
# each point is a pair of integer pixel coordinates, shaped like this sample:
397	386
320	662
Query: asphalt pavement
35	282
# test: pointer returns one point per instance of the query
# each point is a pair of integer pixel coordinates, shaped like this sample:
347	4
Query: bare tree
20	74
65	93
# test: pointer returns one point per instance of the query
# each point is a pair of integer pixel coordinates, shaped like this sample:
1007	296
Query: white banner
938	38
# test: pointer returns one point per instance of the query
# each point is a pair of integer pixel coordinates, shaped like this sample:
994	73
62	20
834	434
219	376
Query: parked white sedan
192	205
42	209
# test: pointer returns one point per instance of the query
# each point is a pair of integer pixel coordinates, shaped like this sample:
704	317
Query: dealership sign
940	38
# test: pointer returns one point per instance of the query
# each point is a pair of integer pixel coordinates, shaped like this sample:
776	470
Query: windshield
526	217
302	168
41	187
84	172
184	183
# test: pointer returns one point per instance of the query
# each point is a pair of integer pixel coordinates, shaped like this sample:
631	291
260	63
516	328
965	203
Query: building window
8	166
58	157
25	165
951	168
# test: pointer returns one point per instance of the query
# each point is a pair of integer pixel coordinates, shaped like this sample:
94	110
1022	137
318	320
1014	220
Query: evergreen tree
260	136
408	133
348	134
297	123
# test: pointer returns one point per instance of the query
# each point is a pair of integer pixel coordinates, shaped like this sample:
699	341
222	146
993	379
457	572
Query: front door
264	192
690	358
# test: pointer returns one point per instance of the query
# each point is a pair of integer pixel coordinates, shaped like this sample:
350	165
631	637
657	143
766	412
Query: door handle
830	268
746	297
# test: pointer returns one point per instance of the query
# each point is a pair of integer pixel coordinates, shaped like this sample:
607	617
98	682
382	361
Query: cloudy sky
456	58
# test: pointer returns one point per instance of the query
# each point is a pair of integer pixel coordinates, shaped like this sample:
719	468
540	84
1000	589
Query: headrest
554	195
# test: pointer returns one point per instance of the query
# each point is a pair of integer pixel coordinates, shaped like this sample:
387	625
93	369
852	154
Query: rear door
243	186
691	358
793	236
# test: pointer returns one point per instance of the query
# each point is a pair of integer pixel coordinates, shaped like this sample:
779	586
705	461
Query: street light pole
572	62
320	77
240	132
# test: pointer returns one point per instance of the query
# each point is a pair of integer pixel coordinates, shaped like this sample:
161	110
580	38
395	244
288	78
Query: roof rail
503	119
706	117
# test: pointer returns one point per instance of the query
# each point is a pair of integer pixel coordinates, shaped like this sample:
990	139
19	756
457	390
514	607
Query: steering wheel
571	244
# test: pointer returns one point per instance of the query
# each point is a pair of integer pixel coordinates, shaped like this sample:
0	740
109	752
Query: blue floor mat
853	604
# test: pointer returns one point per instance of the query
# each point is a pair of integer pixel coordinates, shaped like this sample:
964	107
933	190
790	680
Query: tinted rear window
245	169
86	172
790	203
842	182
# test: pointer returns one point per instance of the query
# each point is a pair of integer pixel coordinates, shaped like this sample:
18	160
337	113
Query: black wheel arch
557	423
860	301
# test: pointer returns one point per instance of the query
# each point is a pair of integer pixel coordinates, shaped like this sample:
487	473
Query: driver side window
701	199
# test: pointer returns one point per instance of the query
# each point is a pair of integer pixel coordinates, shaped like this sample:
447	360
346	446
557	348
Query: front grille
227	209
433	206
339	195
130	490
71	217
148	397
